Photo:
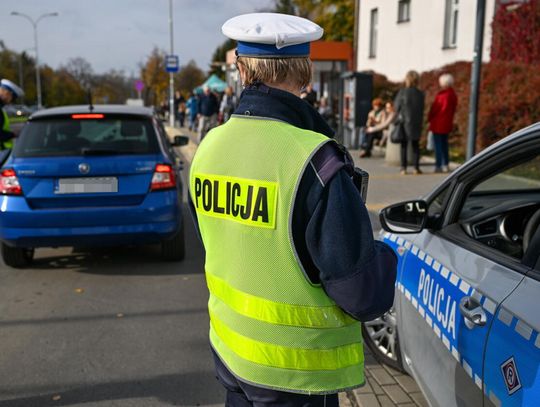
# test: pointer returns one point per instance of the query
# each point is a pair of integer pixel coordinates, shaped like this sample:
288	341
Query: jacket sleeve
356	271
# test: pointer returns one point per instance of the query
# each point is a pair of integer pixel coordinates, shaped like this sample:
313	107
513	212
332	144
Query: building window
404	11
451	23
373	33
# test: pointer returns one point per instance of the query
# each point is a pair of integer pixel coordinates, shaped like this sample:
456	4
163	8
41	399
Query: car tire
174	249
381	337
17	257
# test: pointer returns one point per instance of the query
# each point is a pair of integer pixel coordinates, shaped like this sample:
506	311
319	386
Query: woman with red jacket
441	120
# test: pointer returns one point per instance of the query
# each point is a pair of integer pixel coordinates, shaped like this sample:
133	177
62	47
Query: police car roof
82	109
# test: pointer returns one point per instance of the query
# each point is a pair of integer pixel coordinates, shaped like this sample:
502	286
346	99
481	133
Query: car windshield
71	137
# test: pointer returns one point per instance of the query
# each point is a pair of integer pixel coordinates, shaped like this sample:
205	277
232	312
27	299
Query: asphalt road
107	327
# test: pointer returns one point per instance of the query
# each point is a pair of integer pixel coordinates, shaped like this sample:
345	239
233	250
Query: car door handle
472	312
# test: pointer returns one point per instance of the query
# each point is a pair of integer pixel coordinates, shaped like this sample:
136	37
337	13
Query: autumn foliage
516	33
509	99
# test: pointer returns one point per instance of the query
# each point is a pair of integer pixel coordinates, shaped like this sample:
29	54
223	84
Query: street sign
139	85
172	63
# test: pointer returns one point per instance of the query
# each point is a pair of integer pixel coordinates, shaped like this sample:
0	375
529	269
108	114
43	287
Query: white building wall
418	43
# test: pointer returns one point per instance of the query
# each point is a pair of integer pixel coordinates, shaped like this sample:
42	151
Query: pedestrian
192	108
309	95
409	106
375	117
9	92
326	112
441	120
228	104
179	108
291	263
386	125
207	111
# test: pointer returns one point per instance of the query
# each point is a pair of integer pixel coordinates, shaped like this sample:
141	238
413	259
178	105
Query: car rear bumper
158	217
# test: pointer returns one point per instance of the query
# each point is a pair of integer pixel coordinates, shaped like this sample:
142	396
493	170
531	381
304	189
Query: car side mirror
180	141
404	217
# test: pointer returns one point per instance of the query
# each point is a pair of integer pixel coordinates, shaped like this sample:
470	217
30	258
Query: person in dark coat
409	105
441	120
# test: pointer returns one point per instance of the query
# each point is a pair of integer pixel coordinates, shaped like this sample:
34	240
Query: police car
465	323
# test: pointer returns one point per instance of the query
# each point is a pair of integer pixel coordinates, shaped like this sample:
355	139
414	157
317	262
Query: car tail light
9	184
87	116
163	178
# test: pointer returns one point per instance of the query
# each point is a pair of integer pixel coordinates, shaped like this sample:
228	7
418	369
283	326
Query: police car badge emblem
510	375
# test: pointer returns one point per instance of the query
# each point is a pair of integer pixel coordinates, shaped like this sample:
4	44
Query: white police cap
267	35
14	89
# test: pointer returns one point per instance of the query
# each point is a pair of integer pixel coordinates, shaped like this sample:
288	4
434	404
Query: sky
120	34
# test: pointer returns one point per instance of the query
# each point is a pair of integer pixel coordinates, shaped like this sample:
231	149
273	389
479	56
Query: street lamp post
34	25
171	75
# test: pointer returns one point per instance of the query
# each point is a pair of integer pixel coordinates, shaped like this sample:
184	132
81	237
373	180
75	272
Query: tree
81	70
189	77
336	17
218	58
155	78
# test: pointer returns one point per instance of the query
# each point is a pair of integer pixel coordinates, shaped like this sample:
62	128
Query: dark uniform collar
264	101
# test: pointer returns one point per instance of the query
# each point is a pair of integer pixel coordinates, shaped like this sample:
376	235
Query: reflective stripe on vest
6	127
269	325
277	313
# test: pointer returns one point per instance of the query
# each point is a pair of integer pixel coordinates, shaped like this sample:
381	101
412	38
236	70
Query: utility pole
34	25
171	74
475	77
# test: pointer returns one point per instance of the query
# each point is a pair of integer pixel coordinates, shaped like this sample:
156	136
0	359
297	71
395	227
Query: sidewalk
385	387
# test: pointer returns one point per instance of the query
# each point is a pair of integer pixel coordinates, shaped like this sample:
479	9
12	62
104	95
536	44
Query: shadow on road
191	389
127	260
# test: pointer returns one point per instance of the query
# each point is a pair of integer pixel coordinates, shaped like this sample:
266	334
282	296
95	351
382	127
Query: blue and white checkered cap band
251	49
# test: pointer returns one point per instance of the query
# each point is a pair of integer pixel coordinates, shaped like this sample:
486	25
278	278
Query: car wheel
16	257
174	249
381	337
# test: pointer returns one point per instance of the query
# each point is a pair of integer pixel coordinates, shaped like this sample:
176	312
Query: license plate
86	185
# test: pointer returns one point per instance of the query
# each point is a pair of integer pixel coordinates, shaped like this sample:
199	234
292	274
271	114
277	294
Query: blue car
91	176
464	322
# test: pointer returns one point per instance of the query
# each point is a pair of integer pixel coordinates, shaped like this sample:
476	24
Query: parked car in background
464	322
91	176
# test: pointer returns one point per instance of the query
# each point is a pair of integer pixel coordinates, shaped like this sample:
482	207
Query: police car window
437	204
499	208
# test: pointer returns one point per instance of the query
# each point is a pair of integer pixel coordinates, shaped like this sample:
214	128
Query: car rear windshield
67	136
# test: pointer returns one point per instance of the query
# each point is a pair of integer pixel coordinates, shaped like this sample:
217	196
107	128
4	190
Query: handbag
397	135
430	145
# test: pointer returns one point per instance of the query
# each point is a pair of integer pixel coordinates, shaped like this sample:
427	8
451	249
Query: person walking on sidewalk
291	263
409	106
192	107
208	110
441	120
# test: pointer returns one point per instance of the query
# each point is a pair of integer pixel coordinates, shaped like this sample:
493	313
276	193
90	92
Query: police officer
291	263
9	92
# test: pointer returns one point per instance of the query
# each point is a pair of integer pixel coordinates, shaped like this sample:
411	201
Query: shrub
509	99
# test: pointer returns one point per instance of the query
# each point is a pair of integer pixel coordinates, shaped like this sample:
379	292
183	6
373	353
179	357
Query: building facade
395	36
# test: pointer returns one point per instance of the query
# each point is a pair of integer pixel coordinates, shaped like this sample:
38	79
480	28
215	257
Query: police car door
453	278
512	361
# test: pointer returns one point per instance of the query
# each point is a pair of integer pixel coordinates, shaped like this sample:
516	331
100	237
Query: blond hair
411	79
294	71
